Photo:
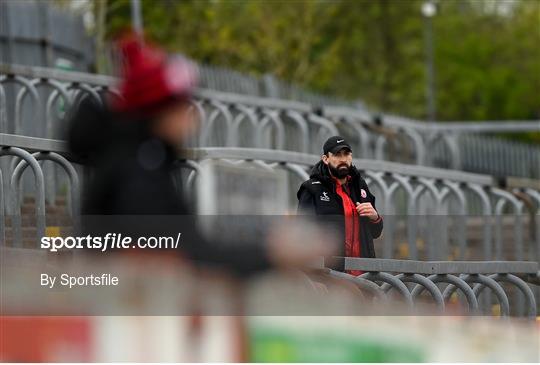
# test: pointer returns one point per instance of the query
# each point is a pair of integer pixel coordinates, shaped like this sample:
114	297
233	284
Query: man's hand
367	210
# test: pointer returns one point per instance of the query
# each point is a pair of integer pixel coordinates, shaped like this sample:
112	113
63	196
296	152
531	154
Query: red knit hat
150	79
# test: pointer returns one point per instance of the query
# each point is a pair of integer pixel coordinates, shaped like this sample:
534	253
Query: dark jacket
131	188
329	209
131	170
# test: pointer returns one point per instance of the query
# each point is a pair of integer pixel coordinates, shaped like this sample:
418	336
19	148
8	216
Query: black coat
132	188
132	170
317	196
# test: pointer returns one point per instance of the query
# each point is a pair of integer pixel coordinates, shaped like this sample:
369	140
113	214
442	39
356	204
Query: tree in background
487	57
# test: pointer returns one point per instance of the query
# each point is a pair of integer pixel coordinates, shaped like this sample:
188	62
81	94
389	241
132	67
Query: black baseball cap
334	144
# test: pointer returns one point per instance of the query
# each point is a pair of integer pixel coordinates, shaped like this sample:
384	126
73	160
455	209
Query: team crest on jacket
363	193
324	197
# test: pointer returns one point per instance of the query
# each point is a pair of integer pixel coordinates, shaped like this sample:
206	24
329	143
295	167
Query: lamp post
136	17
429	10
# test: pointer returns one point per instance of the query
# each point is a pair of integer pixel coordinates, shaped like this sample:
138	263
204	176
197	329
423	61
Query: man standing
339	196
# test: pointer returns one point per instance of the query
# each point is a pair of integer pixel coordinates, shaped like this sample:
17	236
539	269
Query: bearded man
339	197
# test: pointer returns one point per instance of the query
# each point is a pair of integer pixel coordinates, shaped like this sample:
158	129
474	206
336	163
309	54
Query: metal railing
415	182
448	193
434	205
287	135
232	120
477	142
226	80
470	278
387	287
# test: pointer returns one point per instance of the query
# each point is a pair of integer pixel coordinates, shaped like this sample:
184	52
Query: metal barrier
387	287
287	135
458	274
232	120
416	182
227	80
448	193
440	187
457	145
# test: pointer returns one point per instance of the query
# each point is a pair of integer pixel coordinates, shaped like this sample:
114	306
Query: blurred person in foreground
133	143
340	198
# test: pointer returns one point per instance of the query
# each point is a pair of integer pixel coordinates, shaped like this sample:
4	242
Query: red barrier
46	339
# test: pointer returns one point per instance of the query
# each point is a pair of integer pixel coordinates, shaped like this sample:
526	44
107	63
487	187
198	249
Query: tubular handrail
459	274
441	267
109	81
221	114
417	182
61	147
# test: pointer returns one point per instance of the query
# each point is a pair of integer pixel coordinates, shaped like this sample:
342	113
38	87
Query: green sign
281	345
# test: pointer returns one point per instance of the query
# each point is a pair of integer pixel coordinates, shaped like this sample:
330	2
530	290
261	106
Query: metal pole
136	17
429	10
